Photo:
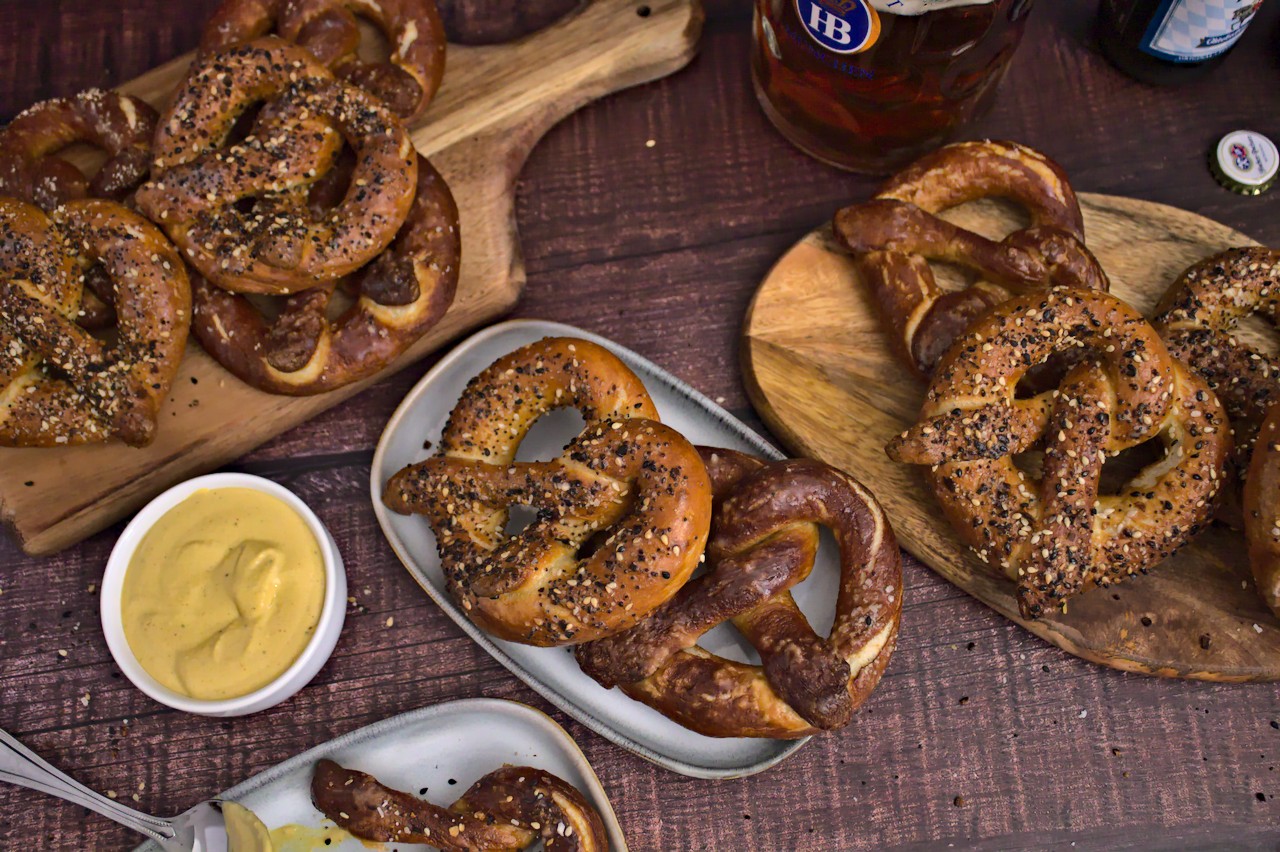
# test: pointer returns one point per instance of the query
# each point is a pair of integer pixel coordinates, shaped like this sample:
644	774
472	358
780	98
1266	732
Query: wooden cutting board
821	375
496	103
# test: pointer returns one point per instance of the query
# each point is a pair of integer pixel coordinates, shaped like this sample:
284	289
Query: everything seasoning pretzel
623	513
1196	318
508	809
58	384
399	296
1262	510
894	236
199	185
32	171
1060	535
764	540
407	81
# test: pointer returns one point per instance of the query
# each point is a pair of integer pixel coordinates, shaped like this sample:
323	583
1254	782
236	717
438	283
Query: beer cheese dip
245	832
223	593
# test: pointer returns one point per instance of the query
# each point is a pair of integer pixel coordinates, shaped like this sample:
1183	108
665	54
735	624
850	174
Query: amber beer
868	85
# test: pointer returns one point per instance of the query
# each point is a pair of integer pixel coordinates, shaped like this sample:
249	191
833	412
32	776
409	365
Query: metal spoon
201	829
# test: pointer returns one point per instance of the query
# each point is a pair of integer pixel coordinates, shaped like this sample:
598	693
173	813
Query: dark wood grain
660	248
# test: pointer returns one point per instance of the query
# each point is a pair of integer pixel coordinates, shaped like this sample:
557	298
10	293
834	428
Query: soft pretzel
508	809
200	186
406	81
623	513
398	298
764	540
58	384
894	236
121	125
1262	510
1059	535
1196	318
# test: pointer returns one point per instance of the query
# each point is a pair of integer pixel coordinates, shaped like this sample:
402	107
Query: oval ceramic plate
551	671
444	748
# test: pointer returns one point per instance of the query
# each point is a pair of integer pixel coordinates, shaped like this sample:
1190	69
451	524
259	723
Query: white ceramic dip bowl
304	668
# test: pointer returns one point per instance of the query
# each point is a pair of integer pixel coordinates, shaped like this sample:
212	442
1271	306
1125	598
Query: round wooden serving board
822	376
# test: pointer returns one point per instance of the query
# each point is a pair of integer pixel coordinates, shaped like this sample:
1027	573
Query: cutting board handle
517	91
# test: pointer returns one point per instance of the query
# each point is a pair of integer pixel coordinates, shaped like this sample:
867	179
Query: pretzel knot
1196	318
201	187
622	514
508	809
398	298
894	236
31	170
1059	535
764	542
406	81
59	384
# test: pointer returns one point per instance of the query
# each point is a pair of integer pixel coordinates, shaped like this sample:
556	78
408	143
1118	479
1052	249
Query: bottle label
852	26
841	26
1196	30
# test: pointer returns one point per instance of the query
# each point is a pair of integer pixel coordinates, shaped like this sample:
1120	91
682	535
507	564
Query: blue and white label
841	26
1196	30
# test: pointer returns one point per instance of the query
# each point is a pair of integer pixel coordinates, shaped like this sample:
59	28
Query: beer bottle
1171	41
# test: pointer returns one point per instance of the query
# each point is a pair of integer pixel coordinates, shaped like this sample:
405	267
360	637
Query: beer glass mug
869	85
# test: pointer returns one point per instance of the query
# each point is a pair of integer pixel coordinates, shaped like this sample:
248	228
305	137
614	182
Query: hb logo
841	26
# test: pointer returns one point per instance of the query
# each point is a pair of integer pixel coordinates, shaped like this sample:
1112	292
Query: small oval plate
444	748
552	672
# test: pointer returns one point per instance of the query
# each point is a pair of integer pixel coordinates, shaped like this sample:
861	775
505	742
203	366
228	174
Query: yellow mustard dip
223	593
301	838
245	832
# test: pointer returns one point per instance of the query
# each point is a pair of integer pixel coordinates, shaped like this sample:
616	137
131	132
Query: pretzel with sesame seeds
764	540
1262	510
1060	535
121	125
1196	318
622	514
508	809
895	235
406	81
200	186
59	384
400	296
31	169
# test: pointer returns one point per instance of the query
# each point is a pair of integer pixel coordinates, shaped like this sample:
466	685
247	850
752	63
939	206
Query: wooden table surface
649	218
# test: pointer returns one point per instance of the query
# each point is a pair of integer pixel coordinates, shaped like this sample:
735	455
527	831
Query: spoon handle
19	765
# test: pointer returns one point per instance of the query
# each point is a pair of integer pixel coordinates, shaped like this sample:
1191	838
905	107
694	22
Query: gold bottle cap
1245	162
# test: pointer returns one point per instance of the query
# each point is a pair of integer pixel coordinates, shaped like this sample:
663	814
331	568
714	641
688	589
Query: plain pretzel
894	236
764	540
506	810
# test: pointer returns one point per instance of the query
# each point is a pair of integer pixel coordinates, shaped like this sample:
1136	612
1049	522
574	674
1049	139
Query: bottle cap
1245	162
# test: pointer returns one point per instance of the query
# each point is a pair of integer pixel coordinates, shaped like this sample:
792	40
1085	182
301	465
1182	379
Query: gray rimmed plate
552	672
444	748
